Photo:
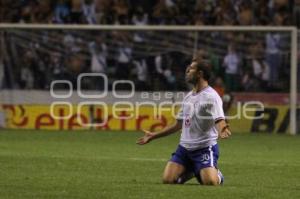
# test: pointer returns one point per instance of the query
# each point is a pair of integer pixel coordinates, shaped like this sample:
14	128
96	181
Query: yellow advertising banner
64	117
131	118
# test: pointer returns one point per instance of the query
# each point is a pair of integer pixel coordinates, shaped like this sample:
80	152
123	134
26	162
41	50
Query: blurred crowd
162	12
239	61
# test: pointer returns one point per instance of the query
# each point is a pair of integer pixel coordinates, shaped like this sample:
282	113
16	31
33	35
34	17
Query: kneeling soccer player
202	121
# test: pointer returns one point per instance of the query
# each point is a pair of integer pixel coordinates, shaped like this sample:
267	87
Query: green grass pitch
69	164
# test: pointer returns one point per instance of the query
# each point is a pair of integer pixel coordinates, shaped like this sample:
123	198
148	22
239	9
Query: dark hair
204	67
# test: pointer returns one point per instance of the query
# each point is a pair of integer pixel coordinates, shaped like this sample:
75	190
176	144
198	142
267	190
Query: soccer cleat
221	177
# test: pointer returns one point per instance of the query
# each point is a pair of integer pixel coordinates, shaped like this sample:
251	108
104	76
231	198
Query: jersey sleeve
217	111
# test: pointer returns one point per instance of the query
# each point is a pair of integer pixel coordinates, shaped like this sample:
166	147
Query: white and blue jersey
198	113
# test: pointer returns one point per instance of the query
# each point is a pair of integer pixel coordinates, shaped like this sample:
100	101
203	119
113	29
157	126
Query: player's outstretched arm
223	129
149	136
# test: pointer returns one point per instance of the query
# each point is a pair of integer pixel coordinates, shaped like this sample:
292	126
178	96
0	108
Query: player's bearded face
191	74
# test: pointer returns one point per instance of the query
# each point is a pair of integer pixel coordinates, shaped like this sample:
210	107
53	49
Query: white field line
163	160
294	164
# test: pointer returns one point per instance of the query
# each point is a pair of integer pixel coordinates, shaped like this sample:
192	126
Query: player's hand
148	136
225	133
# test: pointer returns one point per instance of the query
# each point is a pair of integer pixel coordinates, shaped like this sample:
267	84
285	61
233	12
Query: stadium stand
258	62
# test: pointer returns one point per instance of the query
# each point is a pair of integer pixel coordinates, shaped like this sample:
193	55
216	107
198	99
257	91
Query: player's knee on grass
210	180
172	172
209	177
169	179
